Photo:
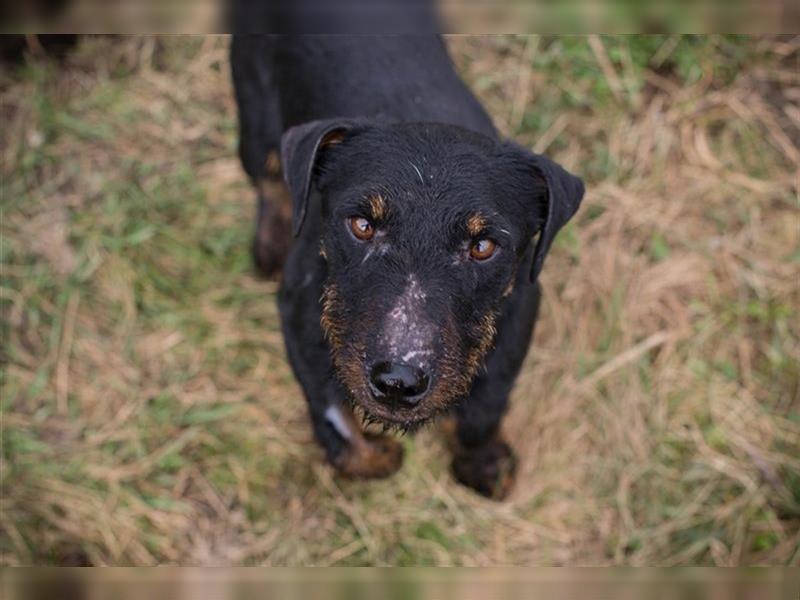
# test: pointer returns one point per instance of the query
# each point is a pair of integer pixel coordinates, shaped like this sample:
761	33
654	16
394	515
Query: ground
148	411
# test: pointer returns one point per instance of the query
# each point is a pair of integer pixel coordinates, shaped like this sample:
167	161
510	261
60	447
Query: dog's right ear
300	147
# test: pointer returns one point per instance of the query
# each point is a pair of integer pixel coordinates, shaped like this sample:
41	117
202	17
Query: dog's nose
398	382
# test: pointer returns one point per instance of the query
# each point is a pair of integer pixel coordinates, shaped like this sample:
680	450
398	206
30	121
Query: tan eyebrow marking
476	224
377	207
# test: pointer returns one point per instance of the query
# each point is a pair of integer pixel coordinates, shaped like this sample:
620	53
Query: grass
148	412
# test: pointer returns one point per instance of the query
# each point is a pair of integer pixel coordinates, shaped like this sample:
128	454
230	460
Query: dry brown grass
149	415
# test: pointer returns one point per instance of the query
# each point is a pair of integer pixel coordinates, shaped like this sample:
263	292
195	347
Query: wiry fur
418	157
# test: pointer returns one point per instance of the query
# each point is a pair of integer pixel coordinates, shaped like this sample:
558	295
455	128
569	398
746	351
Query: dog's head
425	226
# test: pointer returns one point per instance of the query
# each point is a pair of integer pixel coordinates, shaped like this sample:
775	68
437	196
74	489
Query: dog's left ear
300	147
563	193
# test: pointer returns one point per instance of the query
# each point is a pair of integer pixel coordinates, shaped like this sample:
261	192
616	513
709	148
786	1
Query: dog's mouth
374	413
374	406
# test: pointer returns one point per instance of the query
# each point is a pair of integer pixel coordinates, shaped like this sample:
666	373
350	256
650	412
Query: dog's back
399	78
405	78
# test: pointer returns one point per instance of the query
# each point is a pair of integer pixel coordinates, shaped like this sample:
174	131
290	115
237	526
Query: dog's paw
490	469
374	457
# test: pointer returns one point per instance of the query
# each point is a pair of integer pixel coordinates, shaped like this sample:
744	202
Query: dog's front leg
352	451
482	459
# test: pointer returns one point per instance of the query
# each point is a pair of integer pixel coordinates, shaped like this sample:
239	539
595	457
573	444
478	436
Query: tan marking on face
322	252
456	374
487	331
377	207
331	325
476	224
346	358
273	164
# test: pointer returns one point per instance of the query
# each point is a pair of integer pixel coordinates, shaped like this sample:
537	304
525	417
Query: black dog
410	288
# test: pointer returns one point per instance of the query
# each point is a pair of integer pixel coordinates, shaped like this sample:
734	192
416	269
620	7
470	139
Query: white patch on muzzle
407	334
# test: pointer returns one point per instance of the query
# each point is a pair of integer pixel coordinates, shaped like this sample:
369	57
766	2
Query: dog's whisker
419	173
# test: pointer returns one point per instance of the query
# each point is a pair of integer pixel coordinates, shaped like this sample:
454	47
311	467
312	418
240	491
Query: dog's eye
482	249
361	228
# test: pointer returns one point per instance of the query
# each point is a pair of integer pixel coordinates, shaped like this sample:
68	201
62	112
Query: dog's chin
373	411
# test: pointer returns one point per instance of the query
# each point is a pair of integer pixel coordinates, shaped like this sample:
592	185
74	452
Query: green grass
150	415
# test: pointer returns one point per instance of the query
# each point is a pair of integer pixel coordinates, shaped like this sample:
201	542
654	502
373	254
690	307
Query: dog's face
424	229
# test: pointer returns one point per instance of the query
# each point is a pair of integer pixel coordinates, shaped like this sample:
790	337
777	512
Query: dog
410	237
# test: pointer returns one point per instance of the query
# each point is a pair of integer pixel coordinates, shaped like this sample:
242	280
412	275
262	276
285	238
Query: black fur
358	118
